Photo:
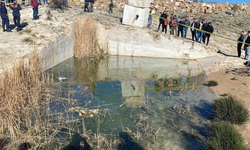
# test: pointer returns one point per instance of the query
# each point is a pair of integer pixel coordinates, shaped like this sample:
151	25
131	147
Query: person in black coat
180	27
4	16
86	7
111	6
239	45
204	28
162	21
209	29
16	14
193	31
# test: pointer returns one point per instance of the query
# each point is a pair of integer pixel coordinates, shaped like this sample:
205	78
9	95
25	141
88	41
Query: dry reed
86	38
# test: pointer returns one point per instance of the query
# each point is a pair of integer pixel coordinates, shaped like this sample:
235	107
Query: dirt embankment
239	88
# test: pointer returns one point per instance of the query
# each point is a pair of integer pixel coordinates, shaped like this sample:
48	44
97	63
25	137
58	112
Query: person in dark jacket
180	27
185	28
209	29
86	7
4	16
34	5
239	44
16	14
204	35
247	46
111	6
162	21
193	31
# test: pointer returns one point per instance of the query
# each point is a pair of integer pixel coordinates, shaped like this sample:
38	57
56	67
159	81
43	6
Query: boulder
209	11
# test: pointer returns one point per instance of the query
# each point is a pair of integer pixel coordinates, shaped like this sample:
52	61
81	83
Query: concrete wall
135	16
144	43
58	51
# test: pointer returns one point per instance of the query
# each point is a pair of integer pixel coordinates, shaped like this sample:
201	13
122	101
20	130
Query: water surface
155	103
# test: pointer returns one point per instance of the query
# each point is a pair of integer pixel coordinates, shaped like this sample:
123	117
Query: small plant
229	109
235	78
195	134
27	40
224	136
27	31
212	83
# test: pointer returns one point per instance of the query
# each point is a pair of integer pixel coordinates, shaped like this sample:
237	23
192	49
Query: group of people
16	7
246	40
200	31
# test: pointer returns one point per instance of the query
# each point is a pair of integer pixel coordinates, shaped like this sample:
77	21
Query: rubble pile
175	6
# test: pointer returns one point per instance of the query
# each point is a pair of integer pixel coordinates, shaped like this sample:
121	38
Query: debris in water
61	78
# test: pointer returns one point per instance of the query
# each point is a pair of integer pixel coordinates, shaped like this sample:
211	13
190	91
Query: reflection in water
157	107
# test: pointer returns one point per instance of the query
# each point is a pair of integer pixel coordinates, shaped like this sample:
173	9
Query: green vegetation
230	110
27	40
195	134
212	83
224	136
27	31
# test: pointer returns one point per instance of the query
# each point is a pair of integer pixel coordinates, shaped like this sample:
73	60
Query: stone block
135	16
139	3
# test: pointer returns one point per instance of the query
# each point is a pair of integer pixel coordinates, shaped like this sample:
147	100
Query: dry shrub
86	38
23	107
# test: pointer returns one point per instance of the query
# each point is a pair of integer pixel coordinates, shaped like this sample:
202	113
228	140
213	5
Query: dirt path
235	88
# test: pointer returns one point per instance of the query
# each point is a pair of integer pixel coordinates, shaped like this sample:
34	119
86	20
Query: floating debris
85	112
61	78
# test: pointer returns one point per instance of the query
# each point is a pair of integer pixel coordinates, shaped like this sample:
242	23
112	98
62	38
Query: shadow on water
75	143
127	143
204	109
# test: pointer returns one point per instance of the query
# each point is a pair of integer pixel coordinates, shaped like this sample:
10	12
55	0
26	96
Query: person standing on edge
200	33
180	27
4	16
34	5
209	29
247	47
150	19
16	14
162	22
111	6
86	7
170	26
204	34
46	2
193	31
91	5
174	26
185	28
239	45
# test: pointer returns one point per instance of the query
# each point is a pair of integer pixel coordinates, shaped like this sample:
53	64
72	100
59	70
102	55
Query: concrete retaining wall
121	42
58	51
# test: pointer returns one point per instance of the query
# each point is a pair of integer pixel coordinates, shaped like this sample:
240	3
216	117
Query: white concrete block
135	16
139	3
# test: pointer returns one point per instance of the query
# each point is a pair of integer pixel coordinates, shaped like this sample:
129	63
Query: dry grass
86	38
24	112
22	90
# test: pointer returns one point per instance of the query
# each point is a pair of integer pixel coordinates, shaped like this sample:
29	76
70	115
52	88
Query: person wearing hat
4	16
16	14
162	21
